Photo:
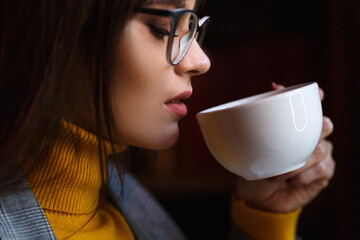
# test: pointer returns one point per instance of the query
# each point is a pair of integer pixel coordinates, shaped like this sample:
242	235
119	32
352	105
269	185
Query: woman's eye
158	32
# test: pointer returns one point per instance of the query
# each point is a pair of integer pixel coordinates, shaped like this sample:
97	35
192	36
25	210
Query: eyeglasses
185	26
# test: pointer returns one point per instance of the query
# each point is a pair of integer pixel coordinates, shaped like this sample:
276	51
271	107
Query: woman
82	80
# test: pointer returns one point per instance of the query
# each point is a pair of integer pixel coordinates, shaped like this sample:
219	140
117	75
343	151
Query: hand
290	191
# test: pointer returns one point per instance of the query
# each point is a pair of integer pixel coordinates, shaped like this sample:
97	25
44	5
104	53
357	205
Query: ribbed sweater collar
71	179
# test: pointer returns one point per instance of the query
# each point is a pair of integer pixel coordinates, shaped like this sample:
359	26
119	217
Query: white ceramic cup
267	134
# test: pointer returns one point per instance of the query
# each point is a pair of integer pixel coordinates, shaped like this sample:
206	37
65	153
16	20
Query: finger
322	94
323	183
276	86
327	129
320	172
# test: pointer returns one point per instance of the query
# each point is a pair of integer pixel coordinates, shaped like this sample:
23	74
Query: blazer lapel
21	216
146	217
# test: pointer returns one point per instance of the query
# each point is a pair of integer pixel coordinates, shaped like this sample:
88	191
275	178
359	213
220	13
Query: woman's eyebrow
175	3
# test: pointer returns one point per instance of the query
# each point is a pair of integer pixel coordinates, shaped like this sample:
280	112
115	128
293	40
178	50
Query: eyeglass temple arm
201	30
203	20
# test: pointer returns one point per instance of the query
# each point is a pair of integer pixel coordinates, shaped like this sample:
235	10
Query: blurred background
252	43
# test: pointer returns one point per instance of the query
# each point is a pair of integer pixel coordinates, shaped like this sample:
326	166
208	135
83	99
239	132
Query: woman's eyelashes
159	31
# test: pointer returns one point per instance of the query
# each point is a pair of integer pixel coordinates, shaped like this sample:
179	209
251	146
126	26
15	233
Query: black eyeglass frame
175	15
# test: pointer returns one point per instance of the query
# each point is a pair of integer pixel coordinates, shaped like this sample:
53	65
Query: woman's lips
176	105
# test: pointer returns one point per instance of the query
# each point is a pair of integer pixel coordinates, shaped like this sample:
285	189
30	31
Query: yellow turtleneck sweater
68	188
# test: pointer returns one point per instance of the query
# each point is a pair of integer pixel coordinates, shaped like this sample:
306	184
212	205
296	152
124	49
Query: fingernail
274	85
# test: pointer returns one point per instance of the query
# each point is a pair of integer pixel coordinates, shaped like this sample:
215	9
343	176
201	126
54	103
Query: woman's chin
167	144
164	142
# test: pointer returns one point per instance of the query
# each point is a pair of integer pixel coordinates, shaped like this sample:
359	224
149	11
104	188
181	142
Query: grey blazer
21	216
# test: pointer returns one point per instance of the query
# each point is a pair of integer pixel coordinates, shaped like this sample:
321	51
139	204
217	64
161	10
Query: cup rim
255	99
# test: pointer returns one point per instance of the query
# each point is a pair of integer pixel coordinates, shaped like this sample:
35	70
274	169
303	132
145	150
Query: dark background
252	43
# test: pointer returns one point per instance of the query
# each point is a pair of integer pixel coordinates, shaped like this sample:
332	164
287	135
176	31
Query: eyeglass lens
183	36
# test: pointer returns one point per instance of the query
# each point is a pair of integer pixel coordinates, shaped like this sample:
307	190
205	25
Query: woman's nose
195	62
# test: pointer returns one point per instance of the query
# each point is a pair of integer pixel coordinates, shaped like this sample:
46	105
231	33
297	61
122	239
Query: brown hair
47	47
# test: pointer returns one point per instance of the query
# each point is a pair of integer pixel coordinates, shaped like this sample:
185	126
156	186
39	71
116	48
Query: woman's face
147	93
